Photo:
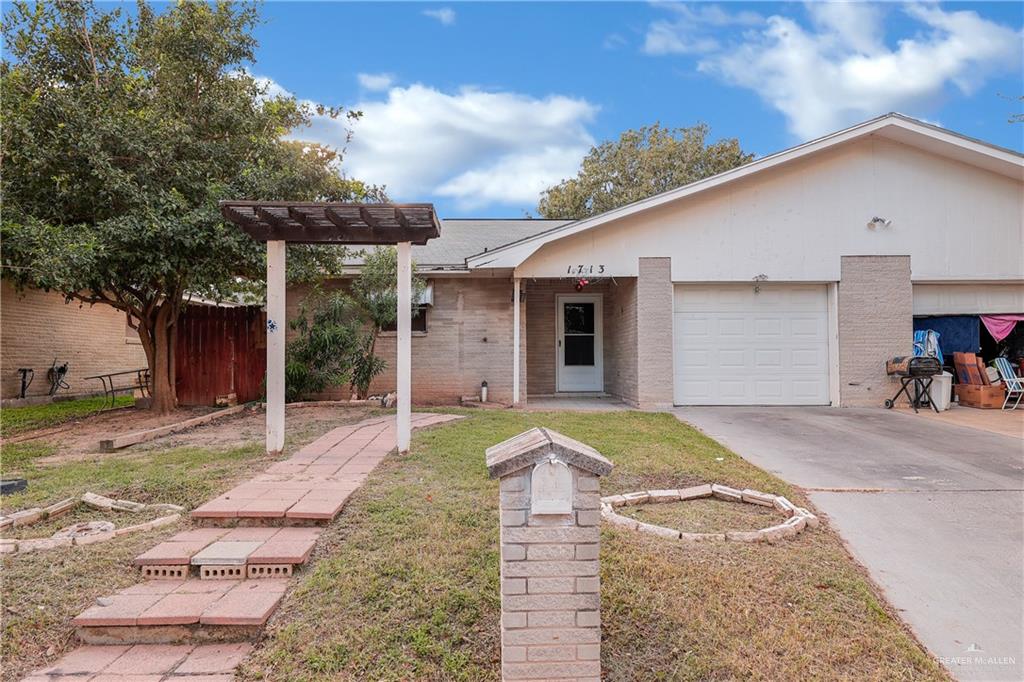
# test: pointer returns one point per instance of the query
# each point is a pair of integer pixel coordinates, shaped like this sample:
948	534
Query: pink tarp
1000	326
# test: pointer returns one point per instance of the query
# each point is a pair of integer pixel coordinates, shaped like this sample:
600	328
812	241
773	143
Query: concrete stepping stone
223	553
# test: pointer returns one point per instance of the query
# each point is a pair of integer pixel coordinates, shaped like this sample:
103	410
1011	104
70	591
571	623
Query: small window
419	321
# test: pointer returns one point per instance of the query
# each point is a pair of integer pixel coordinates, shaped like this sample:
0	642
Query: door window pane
579	318
579	351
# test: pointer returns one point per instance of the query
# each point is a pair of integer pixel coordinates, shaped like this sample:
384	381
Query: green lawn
15	420
405	581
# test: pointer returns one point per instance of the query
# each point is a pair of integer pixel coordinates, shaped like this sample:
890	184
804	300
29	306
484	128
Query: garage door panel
737	347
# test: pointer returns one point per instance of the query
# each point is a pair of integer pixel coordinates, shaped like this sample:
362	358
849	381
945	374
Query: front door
578	344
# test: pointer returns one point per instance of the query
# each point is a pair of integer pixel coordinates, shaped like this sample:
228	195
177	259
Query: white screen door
579	361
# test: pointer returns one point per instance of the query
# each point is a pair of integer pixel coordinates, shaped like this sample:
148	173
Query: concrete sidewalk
934	511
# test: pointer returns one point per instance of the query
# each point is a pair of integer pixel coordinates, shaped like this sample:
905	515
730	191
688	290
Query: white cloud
689	31
375	81
840	70
472	146
446	15
613	41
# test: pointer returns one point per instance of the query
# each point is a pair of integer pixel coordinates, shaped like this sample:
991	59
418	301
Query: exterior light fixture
757	282
877	222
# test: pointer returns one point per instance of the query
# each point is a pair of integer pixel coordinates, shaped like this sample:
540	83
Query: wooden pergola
279	223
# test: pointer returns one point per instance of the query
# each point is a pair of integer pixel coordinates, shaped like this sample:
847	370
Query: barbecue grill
918	371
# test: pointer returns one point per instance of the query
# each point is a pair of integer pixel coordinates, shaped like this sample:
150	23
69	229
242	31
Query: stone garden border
61	538
799	518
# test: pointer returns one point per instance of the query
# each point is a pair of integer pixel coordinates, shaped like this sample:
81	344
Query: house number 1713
585	270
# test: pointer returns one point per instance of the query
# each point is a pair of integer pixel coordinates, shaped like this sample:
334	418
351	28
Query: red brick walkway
311	487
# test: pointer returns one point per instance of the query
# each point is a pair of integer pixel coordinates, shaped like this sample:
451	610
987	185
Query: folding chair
1014	384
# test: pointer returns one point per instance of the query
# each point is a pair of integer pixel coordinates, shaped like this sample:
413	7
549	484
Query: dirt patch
83	435
80	440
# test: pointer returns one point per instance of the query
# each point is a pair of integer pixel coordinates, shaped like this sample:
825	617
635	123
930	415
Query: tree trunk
158	335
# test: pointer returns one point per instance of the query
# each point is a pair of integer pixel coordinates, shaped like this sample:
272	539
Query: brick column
876	322
550	584
654	333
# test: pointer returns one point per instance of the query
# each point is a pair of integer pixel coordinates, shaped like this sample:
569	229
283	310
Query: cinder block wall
468	340
36	327
654	333
550	584
875	323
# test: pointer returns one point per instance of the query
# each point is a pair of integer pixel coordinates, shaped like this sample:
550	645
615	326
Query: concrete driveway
935	512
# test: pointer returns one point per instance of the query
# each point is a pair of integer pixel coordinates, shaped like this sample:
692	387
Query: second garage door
737	346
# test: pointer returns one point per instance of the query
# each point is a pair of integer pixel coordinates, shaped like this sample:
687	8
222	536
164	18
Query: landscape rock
98	501
127	505
695	492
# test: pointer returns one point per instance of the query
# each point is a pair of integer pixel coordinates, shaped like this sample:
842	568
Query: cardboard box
985	397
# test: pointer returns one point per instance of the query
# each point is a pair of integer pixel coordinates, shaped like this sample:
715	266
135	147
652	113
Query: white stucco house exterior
787	281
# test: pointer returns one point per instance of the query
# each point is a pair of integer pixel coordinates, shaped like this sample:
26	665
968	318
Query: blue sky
477	106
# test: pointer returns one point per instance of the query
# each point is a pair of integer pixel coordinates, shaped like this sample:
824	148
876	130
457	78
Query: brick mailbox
550	536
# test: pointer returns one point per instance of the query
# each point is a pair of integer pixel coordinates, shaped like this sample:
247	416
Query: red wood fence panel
220	351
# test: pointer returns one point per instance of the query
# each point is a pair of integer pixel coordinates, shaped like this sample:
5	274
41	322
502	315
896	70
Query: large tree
640	164
121	131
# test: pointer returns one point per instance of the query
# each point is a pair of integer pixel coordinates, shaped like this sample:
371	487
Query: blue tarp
957	333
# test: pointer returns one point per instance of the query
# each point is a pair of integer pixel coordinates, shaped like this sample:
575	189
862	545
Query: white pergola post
276	251
404	368
515	339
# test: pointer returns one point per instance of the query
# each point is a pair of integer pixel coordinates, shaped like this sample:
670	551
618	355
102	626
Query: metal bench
112	383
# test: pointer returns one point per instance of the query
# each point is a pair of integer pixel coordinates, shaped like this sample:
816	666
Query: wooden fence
220	351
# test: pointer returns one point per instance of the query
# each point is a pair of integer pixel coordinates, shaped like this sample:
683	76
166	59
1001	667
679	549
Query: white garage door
737	347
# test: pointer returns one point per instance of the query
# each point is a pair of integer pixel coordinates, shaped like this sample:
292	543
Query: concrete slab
933	510
952	563
222	553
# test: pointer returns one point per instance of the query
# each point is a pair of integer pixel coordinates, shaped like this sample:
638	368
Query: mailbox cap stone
534	445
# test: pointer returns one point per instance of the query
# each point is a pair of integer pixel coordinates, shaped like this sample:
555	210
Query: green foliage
376	288
640	164
376	293
121	133
366	365
338	331
330	338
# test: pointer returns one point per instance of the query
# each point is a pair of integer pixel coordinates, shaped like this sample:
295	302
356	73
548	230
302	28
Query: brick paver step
139	662
188	602
229	547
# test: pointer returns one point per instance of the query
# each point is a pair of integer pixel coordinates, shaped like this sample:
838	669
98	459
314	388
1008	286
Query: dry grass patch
705	515
405	582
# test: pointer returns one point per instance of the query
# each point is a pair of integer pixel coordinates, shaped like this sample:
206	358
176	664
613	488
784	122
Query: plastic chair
1014	384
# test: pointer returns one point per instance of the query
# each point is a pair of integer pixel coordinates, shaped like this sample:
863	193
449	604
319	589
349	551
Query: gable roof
464	237
893	126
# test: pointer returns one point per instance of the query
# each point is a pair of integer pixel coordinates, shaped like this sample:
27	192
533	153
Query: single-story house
786	281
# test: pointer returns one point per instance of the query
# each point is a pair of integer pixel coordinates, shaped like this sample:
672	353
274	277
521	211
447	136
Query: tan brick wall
875	324
618	333
620	336
654	333
36	327
550	584
468	340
